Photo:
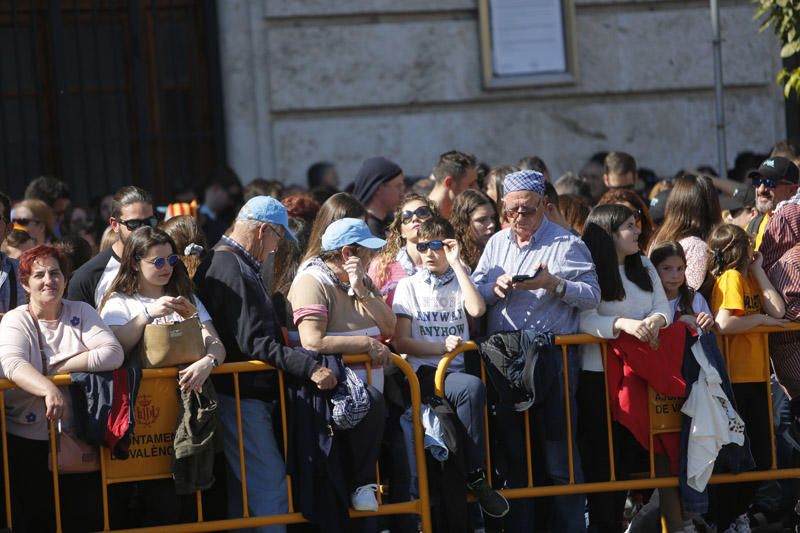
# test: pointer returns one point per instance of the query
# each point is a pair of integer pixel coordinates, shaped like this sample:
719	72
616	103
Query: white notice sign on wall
527	37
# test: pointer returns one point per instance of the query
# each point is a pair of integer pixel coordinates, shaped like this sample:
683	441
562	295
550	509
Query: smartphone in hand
525	277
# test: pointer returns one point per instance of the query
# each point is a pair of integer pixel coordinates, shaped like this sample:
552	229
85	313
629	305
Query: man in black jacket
131	209
242	312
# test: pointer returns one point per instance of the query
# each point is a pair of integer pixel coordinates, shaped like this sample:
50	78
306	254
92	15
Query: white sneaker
363	499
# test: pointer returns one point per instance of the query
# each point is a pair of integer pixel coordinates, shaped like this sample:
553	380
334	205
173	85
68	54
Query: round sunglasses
433	245
423	212
159	262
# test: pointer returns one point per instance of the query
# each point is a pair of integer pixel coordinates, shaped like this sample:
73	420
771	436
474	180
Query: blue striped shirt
566	257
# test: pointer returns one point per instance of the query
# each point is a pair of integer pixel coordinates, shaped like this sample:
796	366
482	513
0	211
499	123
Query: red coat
632	366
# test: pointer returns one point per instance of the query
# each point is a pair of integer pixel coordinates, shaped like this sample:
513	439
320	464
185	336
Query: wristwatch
561	288
148	316
214	361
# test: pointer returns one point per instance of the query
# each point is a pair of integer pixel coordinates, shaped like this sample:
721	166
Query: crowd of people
416	266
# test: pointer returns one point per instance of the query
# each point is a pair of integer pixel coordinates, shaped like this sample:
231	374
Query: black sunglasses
433	245
423	212
25	221
159	262
768	182
136	223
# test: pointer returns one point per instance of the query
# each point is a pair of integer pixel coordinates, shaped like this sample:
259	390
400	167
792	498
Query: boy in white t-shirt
431	308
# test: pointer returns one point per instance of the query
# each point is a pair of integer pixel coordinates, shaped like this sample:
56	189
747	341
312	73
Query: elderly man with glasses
536	276
229	280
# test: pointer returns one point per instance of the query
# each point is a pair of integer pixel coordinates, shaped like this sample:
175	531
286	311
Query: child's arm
702	320
771	300
730	324
473	301
403	342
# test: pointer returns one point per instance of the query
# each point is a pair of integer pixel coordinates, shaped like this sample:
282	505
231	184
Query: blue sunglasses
159	262
433	245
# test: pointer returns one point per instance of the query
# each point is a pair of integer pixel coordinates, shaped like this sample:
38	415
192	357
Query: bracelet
148	316
363	299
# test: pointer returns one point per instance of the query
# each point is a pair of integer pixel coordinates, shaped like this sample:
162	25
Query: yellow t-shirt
747	353
760	233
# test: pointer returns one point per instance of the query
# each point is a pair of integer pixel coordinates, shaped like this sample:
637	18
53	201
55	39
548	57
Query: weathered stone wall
307	80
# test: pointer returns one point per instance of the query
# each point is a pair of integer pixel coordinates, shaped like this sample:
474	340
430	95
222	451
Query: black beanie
373	172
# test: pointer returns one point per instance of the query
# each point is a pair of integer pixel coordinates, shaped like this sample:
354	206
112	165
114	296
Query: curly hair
394	238
461	218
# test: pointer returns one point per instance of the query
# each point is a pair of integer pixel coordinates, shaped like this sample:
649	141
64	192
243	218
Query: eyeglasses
276	232
159	262
136	223
433	245
521	211
423	212
26	221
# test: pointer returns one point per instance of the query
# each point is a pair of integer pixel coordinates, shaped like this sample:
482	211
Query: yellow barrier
660	424
160	419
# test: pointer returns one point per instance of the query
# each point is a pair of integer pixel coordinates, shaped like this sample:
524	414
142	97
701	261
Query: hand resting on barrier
324	378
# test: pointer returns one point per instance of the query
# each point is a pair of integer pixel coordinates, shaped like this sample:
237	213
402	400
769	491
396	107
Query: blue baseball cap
266	209
349	231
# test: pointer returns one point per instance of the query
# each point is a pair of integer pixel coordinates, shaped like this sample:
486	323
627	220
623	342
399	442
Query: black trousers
361	445
605	508
731	500
32	497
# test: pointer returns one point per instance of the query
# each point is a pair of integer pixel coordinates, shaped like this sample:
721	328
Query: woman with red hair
48	336
301	206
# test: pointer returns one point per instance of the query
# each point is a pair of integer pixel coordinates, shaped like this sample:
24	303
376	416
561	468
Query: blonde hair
42	212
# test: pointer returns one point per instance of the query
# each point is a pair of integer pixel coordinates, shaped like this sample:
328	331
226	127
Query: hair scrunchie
718	260
193	249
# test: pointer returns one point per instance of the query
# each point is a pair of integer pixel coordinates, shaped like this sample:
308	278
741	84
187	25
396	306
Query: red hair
39	252
301	206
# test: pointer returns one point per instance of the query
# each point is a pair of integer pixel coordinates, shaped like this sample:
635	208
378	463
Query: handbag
74	455
167	345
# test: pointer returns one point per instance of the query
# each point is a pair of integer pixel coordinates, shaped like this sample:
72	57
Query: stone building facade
308	80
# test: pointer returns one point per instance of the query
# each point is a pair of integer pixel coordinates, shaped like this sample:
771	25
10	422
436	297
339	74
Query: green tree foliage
784	18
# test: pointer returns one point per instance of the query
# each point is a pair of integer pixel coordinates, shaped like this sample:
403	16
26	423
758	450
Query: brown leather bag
74	455
167	345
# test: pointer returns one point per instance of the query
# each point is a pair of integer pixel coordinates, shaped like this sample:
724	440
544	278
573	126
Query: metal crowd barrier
667	422
157	423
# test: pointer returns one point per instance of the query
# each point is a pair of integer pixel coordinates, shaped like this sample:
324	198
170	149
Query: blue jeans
467	395
549	420
264	466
